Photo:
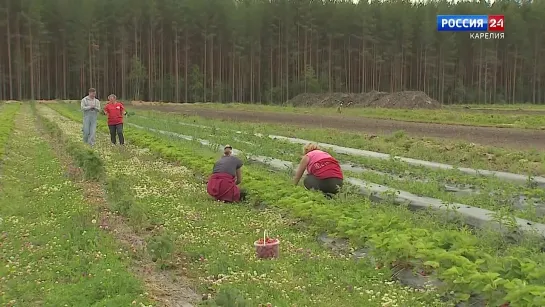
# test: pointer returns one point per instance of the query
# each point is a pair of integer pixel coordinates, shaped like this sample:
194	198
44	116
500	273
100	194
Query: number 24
496	23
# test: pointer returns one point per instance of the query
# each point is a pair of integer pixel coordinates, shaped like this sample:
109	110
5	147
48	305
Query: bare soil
499	137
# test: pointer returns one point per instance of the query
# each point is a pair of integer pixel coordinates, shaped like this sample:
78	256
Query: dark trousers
116	130
328	186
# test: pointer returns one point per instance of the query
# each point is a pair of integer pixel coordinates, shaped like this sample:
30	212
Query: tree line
265	50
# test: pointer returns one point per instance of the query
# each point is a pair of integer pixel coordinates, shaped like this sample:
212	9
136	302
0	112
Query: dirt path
500	137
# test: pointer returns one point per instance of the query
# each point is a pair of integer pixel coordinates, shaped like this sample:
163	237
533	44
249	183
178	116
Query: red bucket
267	248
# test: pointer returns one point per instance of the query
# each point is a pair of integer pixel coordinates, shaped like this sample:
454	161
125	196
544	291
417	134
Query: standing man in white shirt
90	107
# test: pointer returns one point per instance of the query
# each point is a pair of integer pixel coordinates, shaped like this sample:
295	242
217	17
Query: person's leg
119	129
331	185
311	182
112	133
86	125
93	130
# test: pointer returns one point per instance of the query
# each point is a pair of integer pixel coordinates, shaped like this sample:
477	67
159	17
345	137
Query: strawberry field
144	208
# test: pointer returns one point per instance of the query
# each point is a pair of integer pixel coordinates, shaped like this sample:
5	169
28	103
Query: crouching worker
323	171
226	175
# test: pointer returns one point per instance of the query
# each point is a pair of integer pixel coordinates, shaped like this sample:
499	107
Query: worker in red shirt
115	111
323	171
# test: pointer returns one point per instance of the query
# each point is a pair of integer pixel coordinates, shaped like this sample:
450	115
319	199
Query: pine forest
266	51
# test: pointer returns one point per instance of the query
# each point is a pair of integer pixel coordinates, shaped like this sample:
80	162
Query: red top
115	112
323	166
326	168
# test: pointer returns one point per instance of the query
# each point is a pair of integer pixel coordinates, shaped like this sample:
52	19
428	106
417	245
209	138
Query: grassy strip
457	256
456	153
85	157
52	252
214	241
444	116
7	116
495	194
518	106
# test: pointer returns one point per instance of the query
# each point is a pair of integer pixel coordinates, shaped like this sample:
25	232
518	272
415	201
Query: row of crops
471	262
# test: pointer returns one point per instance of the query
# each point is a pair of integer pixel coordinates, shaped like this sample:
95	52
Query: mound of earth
334	99
397	100
408	100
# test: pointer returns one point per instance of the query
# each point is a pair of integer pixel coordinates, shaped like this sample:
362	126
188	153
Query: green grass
443	116
215	241
519	106
52	253
7	115
455	153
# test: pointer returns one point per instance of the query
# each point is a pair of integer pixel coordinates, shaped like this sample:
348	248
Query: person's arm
239	175
83	106
123	111
300	170
239	171
97	105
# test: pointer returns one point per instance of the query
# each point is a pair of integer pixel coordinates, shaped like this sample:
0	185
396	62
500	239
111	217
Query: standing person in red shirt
115	111
323	171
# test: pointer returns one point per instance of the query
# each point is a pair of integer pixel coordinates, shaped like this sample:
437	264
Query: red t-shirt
326	168
115	113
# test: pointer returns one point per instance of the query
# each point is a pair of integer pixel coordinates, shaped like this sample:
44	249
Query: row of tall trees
265	50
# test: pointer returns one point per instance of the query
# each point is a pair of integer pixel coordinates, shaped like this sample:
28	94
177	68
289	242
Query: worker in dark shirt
226	175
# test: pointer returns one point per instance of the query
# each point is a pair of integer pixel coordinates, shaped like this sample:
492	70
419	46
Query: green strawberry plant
519	293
